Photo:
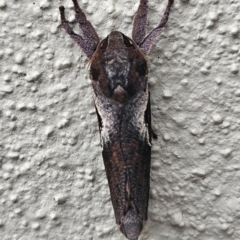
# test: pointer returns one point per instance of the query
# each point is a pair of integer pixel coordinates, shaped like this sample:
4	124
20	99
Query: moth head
119	67
116	40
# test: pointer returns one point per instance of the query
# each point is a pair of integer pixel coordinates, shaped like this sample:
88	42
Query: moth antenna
140	22
89	41
151	38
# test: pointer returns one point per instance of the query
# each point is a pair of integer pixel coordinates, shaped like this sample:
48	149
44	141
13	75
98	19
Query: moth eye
104	43
94	73
141	68
127	42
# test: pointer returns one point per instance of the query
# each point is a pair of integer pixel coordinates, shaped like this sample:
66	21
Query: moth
119	75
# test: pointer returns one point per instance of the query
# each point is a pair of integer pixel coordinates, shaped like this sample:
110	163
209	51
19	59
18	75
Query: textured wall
52	179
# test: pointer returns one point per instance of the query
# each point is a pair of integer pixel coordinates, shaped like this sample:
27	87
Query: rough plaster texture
52	178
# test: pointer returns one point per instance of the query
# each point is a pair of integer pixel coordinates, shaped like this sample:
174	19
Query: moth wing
117	178
138	152
140	181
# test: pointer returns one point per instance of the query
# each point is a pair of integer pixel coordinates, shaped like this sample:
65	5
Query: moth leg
154	135
151	38
140	22
148	120
87	45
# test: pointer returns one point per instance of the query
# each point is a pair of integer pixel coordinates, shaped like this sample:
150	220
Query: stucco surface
52	179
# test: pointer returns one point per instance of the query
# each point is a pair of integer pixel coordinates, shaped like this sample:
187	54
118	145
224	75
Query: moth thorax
115	40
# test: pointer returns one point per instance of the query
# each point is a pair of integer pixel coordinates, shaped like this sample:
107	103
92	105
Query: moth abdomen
131	225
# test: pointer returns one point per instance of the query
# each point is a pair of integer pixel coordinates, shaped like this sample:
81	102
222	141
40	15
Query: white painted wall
52	178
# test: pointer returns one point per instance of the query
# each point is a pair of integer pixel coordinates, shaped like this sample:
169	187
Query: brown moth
118	70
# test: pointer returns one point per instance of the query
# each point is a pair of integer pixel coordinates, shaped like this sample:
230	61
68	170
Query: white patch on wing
134	112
